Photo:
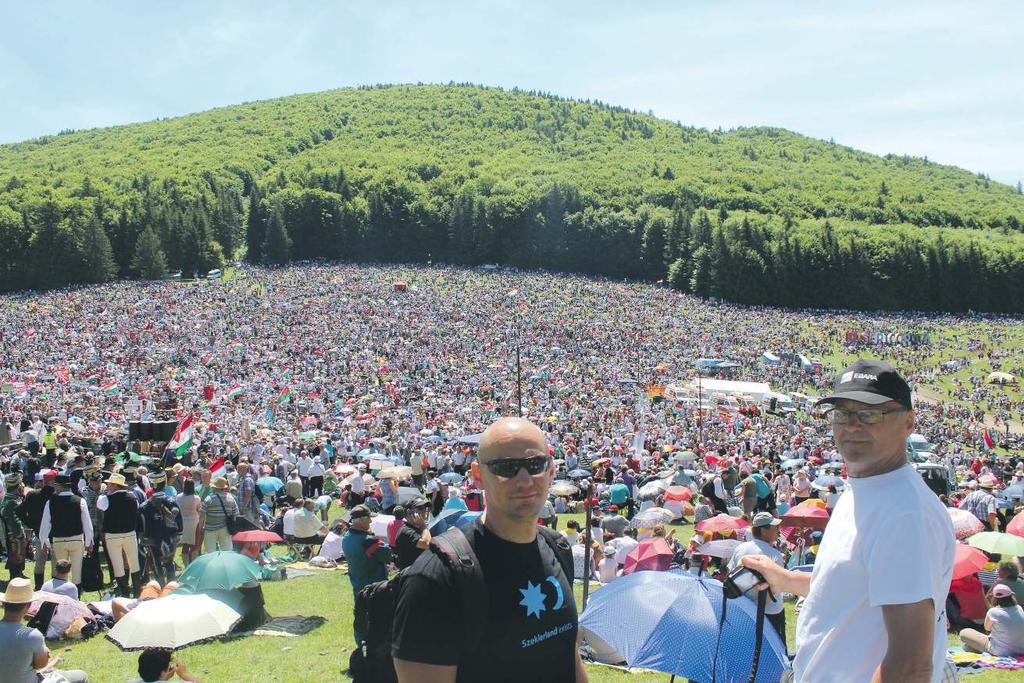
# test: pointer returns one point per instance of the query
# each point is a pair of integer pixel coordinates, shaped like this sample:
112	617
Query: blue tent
668	621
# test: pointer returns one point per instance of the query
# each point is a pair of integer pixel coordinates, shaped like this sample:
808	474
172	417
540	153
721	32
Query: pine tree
278	246
149	261
255	227
97	255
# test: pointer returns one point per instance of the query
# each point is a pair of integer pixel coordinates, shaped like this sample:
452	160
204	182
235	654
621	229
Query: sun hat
872	382
19	592
219	483
1001	591
157	477
987	481
763	519
117	479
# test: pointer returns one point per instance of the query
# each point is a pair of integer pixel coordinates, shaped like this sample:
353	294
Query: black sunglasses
509	467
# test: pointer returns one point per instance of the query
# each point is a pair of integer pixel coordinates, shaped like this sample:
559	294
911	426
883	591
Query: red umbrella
257	536
806	515
678	493
968	561
711	459
1016	525
722	522
652	554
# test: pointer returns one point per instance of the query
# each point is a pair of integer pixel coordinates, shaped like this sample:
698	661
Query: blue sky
938	79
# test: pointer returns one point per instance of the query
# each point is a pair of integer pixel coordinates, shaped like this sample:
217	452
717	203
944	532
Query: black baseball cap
416	503
357	512
870	381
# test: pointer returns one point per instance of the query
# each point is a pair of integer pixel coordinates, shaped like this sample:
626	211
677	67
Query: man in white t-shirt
875	608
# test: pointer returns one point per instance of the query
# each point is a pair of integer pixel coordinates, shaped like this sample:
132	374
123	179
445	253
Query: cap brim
859	396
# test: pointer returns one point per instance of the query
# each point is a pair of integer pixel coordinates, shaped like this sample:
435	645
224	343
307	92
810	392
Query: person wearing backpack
514	617
162	525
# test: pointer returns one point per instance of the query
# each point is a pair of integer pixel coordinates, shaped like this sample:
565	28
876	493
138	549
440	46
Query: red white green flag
109	388
208	360
182	440
235	391
283	397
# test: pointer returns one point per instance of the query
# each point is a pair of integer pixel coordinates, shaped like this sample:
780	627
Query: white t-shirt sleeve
900	561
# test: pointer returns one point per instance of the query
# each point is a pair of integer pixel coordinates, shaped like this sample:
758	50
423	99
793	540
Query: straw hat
220	483
12	481
19	592
117	479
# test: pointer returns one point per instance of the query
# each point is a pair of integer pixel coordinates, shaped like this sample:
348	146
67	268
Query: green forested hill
468	174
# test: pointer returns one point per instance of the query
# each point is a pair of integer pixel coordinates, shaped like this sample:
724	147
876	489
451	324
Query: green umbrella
223	569
135	457
995	542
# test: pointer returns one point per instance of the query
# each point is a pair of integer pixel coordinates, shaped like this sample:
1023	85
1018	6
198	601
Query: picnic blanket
289	627
972	662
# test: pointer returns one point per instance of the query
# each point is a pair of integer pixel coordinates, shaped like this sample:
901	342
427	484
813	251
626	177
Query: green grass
323	654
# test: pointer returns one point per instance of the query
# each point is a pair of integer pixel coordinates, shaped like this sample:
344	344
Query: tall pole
586	547
700	411
519	379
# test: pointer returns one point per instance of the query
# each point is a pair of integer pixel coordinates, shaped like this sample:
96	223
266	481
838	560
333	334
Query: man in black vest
120	521
66	527
31	514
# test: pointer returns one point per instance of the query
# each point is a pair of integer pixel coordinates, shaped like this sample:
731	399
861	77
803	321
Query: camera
740	581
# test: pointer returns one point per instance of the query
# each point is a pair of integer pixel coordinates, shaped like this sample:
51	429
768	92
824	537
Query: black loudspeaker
152	431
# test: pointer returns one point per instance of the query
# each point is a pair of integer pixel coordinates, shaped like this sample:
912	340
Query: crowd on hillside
305	384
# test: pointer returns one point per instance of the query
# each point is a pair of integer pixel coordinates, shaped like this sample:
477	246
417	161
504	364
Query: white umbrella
563	488
396	472
173	622
651	517
652	489
723	548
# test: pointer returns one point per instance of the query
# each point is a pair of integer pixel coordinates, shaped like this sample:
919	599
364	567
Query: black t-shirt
405	545
530	631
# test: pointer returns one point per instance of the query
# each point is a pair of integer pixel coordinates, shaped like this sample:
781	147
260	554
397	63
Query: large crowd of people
305	384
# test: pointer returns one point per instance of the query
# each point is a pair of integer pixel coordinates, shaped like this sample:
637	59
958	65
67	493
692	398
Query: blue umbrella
270	484
578	474
794	462
826	480
439	524
668	621
451	477
468	518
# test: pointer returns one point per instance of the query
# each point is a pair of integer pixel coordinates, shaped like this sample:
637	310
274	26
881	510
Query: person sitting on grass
59	584
22	649
1005	624
157	664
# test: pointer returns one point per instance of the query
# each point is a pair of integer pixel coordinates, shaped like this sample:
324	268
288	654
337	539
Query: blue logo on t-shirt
533	599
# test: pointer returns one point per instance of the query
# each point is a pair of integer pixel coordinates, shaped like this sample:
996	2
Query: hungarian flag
283	397
208	360
182	440
63	375
109	388
219	468
235	391
92	378
989	443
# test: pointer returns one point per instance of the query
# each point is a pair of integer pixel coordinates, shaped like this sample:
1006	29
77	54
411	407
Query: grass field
323	654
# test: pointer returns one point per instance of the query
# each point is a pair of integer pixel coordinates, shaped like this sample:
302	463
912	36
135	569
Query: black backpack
375	604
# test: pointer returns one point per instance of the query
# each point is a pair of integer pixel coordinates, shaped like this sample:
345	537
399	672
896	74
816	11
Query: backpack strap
555	544
456	551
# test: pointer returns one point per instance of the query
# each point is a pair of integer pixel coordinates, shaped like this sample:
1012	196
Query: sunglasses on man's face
509	467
